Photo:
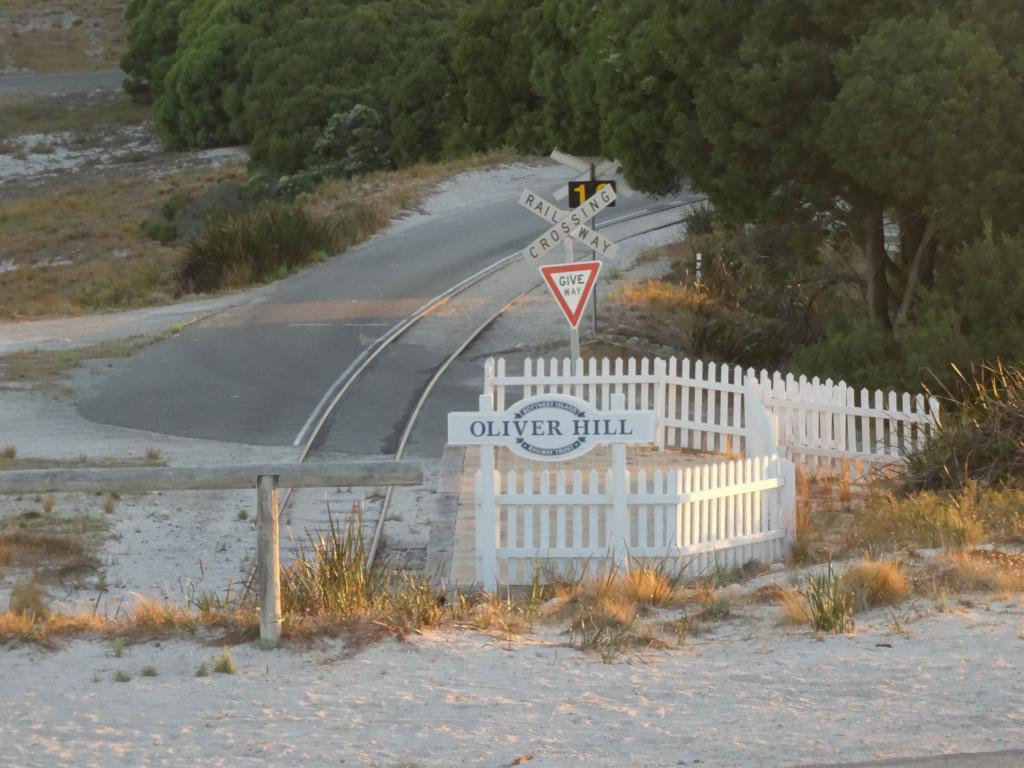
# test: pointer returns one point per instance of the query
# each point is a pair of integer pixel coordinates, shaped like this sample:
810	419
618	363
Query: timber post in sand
268	560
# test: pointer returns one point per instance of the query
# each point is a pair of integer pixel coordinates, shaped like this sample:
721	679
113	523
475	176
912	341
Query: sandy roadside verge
748	695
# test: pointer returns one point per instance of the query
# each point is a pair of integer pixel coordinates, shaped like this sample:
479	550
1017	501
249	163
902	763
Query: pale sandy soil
750	695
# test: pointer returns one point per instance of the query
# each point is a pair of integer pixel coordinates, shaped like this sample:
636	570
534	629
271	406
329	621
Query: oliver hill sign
551	427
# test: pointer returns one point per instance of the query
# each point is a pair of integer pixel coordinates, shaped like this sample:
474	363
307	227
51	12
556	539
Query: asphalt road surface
254	373
68	82
1007	759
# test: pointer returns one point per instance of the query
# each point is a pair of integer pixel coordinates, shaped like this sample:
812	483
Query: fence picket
684	408
642	512
593	532
576	540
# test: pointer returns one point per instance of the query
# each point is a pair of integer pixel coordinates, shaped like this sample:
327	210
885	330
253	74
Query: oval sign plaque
550	427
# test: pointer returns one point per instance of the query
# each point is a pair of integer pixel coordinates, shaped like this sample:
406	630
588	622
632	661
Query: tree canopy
897	124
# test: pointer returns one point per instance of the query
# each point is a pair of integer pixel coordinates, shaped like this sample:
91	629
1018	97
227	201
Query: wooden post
268	560
486	513
619	539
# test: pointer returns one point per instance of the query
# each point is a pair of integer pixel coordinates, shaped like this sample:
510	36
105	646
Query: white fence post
786	504
486	513
619	538
761	430
660	414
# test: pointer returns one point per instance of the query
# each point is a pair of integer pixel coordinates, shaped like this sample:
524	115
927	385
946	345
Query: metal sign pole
574	331
593	254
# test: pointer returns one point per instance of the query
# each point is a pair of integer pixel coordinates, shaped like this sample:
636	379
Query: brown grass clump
95	42
978	571
941	520
604	611
51	556
489	611
793	607
8	453
28	600
875	582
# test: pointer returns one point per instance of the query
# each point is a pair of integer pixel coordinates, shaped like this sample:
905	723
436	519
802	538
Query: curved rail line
321	413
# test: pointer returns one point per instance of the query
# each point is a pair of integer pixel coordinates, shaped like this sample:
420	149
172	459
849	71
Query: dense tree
153	30
850	115
272	74
492	57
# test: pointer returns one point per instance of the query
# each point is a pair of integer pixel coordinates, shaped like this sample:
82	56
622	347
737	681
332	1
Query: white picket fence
821	425
558	523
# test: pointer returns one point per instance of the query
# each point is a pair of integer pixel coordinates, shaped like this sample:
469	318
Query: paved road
62	83
253	374
1006	759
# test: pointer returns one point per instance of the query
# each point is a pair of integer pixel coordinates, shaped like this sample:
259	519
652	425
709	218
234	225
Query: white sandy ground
751	694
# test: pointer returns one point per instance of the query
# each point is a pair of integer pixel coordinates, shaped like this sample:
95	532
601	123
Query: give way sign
571	285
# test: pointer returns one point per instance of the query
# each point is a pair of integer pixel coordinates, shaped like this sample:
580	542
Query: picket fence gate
552	524
826	427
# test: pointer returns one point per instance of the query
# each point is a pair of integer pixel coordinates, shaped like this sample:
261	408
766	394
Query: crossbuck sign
568	223
551	427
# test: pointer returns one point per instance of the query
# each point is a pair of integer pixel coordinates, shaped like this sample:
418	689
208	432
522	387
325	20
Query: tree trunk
913	273
878	285
928	264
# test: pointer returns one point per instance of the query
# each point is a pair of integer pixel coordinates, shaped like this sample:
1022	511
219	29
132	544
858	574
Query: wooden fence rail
266	478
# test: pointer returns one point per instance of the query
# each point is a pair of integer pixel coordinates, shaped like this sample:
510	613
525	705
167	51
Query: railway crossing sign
568	224
571	285
598	243
589	171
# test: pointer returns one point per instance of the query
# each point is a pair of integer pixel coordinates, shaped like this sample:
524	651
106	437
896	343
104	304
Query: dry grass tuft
28	601
977	571
490	611
8	453
793	607
50	556
874	583
941	520
769	593
824	603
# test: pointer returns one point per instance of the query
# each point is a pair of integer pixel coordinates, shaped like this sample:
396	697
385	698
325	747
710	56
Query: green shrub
829	603
254	245
224	664
163	231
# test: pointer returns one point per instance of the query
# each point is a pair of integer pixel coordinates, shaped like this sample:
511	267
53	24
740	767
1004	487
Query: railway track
315	426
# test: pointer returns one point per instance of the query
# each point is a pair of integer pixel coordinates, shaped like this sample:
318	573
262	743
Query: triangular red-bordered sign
571	285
